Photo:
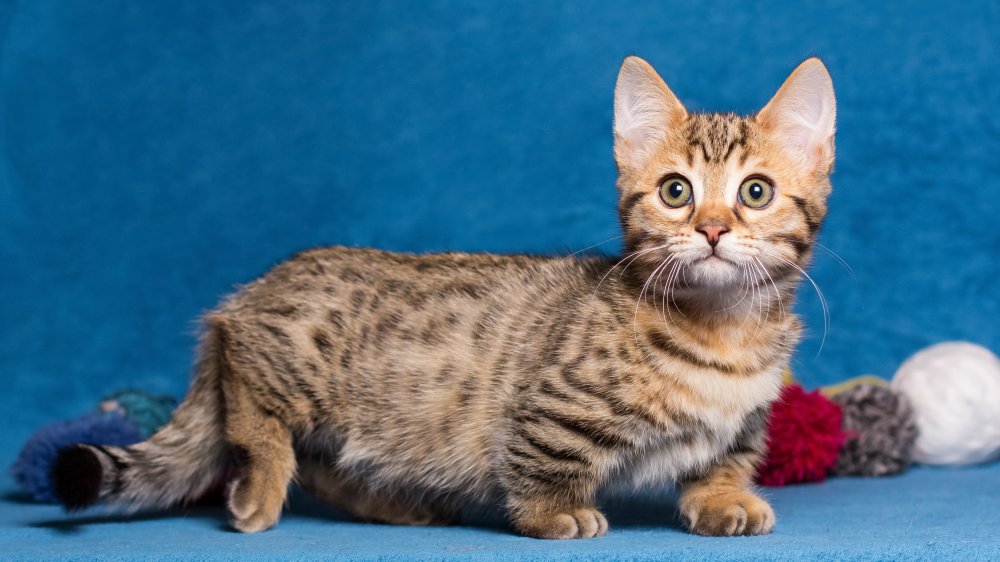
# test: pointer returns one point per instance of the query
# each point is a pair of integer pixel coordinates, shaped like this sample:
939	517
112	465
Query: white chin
714	271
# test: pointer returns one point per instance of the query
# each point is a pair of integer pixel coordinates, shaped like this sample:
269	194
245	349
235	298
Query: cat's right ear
645	112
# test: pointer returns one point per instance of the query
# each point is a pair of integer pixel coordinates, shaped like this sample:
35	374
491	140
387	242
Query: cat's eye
675	191
756	192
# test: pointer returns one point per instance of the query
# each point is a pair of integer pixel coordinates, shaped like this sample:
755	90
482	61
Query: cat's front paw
579	523
727	514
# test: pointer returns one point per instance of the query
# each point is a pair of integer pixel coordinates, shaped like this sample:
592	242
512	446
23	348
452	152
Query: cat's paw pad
723	515
579	523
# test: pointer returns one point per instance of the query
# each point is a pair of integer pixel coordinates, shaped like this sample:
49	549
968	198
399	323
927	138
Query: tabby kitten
402	387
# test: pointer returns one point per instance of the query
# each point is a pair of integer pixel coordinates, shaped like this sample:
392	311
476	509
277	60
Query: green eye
756	192
675	191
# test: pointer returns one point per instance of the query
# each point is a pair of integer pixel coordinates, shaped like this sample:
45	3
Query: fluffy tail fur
177	464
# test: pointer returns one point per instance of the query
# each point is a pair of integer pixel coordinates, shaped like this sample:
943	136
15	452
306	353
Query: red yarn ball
804	438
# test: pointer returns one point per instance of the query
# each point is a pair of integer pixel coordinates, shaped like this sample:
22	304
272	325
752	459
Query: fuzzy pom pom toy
954	388
942	407
34	463
880	431
122	419
804	438
149	412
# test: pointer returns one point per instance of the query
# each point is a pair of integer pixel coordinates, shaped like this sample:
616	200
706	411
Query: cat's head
722	199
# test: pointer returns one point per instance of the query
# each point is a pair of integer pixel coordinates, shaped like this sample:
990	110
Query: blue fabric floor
926	514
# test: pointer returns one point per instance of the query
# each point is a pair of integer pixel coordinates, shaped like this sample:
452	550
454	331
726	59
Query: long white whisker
819	293
598	244
675	275
633	260
760	269
653	277
627	256
667	288
633	256
663	298
781	306
656	278
842	261
761	310
753	294
681	272
745	289
638	301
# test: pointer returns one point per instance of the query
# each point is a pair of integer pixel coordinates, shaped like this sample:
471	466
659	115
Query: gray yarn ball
883	431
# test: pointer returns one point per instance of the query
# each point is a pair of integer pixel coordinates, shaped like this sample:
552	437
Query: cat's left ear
802	116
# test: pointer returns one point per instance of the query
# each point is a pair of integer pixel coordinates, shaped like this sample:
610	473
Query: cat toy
122	419
942	407
955	391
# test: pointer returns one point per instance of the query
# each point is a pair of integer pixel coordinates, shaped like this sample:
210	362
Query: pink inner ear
630	129
645	108
802	114
641	117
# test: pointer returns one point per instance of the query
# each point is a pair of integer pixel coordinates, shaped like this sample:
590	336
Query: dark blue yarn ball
34	463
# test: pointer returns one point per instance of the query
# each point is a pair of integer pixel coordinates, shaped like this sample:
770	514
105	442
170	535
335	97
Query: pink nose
713	232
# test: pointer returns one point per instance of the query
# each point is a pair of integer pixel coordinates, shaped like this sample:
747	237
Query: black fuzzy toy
881	431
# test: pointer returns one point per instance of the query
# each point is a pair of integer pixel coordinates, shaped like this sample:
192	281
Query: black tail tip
76	477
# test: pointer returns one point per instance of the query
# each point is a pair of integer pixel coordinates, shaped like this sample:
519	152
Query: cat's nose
713	231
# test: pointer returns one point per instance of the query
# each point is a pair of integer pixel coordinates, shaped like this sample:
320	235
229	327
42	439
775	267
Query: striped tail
176	465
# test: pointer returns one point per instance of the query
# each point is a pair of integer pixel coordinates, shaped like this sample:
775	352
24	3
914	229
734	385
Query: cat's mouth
714	270
714	258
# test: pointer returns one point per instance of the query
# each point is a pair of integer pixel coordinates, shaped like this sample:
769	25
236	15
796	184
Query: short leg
333	486
265	461
721	502
555	518
551	483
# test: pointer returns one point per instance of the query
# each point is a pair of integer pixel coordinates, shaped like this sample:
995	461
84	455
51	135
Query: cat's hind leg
262	451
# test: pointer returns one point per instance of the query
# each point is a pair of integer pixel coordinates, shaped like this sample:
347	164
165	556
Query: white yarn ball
954	389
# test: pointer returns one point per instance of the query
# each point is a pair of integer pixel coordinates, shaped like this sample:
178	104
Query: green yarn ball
149	412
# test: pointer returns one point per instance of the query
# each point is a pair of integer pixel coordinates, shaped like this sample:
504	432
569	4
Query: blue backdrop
154	154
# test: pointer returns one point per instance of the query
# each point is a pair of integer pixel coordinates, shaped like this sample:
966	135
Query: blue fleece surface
154	154
927	514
